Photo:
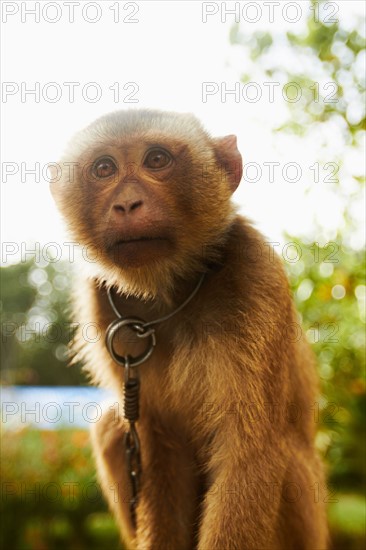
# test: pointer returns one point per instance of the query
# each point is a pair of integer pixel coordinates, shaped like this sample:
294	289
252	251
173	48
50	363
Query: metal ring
137	325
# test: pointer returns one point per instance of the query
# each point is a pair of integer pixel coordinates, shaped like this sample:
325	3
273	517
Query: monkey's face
146	190
130	215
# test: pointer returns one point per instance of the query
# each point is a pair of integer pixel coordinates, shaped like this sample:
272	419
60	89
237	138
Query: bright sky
160	54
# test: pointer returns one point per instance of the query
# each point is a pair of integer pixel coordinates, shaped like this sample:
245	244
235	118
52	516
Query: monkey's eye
157	159
104	168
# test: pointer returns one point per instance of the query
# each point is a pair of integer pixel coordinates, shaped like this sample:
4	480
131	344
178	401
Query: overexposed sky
159	54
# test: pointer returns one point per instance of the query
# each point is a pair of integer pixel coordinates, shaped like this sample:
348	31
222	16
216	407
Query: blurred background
289	79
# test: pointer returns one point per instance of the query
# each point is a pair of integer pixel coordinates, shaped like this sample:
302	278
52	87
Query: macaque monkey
227	395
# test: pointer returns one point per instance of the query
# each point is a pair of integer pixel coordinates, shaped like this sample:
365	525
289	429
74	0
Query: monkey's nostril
118	208
135	205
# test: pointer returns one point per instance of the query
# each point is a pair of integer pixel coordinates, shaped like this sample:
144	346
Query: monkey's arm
109	451
242	504
247	464
264	499
168	506
168	503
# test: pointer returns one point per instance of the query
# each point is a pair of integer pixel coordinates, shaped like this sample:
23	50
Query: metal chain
131	439
161	319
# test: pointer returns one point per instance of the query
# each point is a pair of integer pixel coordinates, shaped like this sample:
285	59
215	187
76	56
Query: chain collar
142	328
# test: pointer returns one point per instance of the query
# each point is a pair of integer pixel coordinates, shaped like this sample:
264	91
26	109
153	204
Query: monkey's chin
139	252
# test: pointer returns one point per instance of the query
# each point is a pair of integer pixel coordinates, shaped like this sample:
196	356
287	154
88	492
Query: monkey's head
150	191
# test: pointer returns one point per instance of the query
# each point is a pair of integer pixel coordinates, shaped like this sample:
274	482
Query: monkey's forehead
142	127
151	126
145	124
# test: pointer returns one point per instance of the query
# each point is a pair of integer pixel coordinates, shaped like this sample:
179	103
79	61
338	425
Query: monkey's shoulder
253	265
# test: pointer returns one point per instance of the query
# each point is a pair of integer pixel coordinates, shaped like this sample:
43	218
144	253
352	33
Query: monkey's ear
229	158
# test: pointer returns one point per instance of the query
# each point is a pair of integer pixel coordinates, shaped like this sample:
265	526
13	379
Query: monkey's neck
168	284
160	306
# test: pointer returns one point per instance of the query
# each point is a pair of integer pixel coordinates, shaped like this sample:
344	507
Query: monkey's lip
139	251
137	240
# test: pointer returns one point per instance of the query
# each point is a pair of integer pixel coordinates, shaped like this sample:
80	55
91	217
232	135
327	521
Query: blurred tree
35	327
50	498
329	290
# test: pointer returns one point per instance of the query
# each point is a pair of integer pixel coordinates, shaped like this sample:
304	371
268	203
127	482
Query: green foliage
35	325
258	42
334	51
329	290
50	498
347	515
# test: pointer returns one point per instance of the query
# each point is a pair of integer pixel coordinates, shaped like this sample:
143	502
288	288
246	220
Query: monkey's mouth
139	240
137	251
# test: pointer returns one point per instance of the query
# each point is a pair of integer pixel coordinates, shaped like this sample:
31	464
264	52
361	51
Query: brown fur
226	431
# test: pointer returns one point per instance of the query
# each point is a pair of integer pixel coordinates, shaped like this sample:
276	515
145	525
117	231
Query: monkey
226	433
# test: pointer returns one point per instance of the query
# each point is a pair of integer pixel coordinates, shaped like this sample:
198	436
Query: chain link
131	438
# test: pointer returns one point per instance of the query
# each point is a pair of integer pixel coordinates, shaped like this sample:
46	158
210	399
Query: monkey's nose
126	207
